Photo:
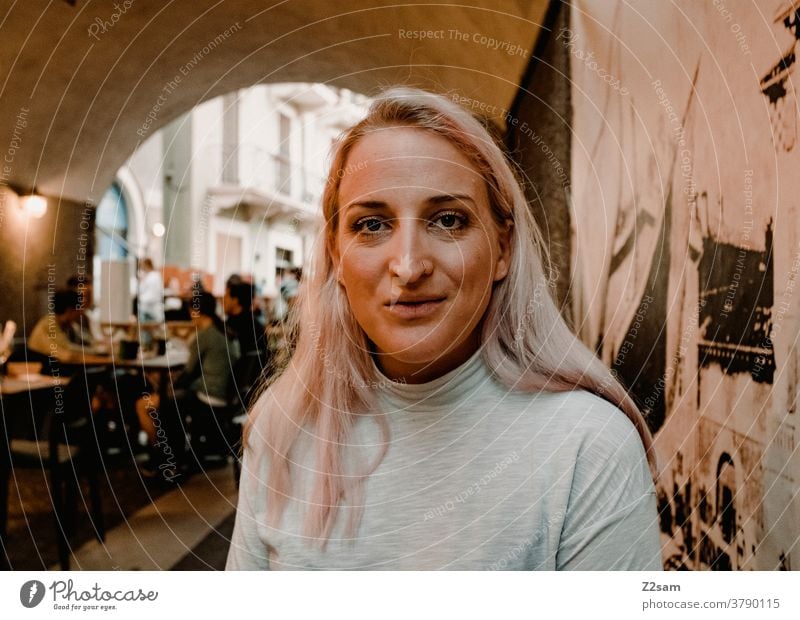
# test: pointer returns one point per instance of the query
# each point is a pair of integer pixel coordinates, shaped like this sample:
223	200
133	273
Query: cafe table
174	359
178	329
20	387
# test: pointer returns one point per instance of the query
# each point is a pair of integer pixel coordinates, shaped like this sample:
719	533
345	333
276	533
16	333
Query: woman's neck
204	321
405	372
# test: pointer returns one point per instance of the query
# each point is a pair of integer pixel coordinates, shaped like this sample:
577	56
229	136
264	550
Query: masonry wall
37	254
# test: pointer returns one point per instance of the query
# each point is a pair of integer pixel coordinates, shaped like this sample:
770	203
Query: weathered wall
39	253
97	79
686	257
539	139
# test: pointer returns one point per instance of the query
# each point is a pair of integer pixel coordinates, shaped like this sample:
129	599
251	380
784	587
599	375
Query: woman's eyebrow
433	200
450	198
367	204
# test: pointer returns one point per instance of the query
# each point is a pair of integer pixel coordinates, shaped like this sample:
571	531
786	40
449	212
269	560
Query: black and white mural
686	256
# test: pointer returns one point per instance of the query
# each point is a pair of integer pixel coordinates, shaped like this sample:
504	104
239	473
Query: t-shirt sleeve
247	550
611	521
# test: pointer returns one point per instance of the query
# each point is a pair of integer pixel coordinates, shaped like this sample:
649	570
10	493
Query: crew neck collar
451	387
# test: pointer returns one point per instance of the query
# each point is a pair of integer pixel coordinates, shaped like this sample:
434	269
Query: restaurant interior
160	183
162	175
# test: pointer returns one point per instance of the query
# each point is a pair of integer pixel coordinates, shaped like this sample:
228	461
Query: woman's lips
415	310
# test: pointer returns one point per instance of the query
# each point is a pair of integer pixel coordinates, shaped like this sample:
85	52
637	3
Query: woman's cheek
361	270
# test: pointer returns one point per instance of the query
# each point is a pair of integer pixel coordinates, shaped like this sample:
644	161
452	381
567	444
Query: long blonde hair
326	385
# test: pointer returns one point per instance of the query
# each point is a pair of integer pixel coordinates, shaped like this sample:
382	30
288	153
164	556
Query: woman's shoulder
589	416
212	336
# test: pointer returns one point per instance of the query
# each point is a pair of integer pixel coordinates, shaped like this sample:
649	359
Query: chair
247	371
217	432
64	443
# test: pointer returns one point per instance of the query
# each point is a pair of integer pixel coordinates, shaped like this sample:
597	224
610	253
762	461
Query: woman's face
417	250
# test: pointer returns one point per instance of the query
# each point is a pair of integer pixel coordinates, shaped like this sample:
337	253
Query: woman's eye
369	225
450	221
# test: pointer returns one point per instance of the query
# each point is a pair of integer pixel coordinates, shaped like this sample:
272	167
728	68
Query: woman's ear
503	263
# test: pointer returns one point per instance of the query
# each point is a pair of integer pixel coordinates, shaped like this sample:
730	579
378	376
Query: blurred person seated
55	334
175	308
88	328
237	303
203	385
233	279
211	354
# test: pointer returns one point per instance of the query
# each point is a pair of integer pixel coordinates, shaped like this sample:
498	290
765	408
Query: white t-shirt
151	296
477	477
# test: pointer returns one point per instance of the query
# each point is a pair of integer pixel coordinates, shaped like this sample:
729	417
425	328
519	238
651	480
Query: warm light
158	229
34	205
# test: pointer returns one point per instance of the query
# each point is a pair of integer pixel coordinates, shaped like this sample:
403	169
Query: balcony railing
276	173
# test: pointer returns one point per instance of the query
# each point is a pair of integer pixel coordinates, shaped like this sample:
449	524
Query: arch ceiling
85	82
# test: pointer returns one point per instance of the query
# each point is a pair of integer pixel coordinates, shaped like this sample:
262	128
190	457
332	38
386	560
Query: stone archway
93	81
85	84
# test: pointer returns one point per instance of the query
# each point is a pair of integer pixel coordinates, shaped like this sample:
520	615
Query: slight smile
408	309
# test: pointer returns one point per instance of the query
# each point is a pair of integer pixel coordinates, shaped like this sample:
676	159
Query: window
230	138
111	225
283	260
284	168
229	258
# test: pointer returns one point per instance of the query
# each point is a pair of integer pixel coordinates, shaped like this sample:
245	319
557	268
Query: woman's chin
413	353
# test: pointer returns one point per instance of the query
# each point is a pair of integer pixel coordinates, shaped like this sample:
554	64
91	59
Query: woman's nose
409	252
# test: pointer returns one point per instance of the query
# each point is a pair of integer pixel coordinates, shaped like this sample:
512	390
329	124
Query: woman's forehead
404	157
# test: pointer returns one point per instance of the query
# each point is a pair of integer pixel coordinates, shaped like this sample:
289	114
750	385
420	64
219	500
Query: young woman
437	412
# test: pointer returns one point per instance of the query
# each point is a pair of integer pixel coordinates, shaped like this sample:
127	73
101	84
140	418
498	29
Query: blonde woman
437	412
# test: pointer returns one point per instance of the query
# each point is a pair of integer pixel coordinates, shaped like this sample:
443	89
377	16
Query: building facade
232	186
